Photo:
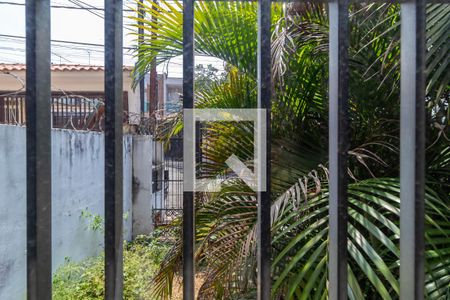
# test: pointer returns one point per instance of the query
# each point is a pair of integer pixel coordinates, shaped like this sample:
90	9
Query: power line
21	42
69	52
92	9
64	6
62	41
23	50
14	41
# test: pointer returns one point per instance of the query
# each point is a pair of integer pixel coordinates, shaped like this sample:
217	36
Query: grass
85	280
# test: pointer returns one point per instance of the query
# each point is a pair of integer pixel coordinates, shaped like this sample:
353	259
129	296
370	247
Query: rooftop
59	67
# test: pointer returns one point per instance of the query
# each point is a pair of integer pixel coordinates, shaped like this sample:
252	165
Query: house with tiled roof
77	95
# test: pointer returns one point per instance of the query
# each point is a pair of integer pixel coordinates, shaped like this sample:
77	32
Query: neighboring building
67	82
170	91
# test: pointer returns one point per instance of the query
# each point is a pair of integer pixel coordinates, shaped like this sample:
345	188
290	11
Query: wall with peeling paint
142	185
78	181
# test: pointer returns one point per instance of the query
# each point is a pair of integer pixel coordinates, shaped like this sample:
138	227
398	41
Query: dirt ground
178	287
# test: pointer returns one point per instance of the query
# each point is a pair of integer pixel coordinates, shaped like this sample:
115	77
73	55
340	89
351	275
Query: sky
74	25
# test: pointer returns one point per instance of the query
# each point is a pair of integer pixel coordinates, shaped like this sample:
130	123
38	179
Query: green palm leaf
226	232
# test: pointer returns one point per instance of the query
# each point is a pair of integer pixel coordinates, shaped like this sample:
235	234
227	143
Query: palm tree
225	228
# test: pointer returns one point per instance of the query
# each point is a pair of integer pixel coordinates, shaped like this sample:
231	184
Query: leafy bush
85	280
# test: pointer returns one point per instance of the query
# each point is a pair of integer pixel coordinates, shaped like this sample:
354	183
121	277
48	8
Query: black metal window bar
412	149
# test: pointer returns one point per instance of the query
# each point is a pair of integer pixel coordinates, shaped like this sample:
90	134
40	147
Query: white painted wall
78	181
142	185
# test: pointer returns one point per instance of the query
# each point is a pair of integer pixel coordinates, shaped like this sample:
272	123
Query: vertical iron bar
339	139
38	143
70	113
22	112
84	113
188	197
52	112
113	150
2	110
16	110
78	110
92	116
8	121
75	112
58	112
412	150
264	102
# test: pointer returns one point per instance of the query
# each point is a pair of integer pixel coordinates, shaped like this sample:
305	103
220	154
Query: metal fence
12	109
412	149
167	179
69	110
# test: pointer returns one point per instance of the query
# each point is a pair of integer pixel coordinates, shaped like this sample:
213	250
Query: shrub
85	280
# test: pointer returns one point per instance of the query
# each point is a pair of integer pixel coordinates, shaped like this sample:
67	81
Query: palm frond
300	240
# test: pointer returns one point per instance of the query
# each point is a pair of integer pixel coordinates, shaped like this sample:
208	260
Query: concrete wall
142	185
77	174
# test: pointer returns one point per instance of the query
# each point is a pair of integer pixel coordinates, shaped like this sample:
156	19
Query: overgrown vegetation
85	280
207	75
226	221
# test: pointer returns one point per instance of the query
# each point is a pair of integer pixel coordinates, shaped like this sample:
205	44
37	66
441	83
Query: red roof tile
54	67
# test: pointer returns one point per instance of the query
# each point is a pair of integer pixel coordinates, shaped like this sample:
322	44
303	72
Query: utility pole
153	92
140	42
